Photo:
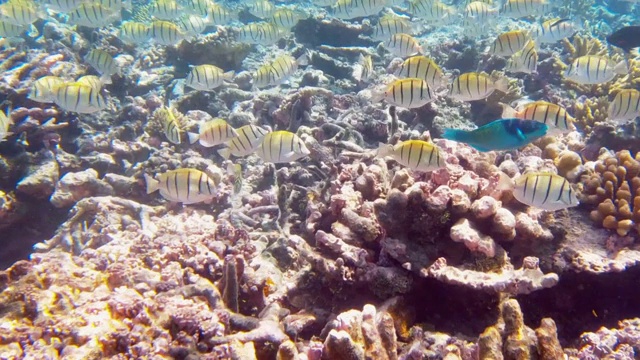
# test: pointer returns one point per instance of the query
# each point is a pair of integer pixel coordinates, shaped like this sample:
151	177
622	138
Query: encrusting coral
614	189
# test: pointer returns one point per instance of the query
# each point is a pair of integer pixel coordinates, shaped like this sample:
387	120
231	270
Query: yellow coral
590	112
614	189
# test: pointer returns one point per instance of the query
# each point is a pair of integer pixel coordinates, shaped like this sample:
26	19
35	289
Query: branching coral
589	112
614	187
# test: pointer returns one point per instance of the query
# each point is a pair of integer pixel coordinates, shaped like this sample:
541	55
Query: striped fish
262	9
323	3
207	77
555	116
260	33
20	13
91	80
403	45
350	9
422	67
198	7
554	30
212	133
193	25
42	90
435	13
187	186
5	123
9	30
279	70
78	98
545	191
93	15
282	147
525	60
170	125
116	5
363	69
165	33
480	12
389	25
134	32
409	93
625	106
414	154
508	43
104	63
522	8
220	15
165	10
286	18
591	69
476	86
248	139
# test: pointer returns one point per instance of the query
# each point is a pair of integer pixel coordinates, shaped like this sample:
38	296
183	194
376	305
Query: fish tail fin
502	84
508	111
357	72
225	153
228	76
383	150
622	68
105	79
193	137
377	95
455	135
304	59
505	183
152	184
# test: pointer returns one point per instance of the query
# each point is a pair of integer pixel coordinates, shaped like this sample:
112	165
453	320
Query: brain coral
614	188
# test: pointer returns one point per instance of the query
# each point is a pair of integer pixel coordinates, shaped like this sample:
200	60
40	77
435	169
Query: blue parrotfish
501	134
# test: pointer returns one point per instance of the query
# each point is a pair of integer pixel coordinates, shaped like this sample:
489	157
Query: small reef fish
79	98
104	63
134	32
403	45
10	30
508	43
554	30
546	191
212	133
207	77
91	80
625	106
20	13
590	69
93	15
502	134
350	9
62	5
187	186
525	60
248	138
414	154
42	90
476	86
435	13
286	18
262	9
262	33
219	15
165	10
389	25
522	8
193	25
116	5
554	116
5	123
409	93
198	7
626	38
282	147
422	67
170	125
165	33
278	71
363	69
235	171
480	12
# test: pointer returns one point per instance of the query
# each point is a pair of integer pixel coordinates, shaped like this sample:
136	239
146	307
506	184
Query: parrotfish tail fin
304	59
383	150
507	111
105	79
152	184
622	68
193	137
228	76
502	84
225	153
455	135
